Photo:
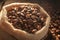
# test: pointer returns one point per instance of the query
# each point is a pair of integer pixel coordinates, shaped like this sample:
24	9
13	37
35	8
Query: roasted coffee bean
26	18
9	20
34	12
13	11
38	27
13	17
33	17
38	14
34	21
29	21
34	30
26	26
58	36
9	16
15	8
28	15
52	26
36	9
59	27
18	13
32	8
55	23
22	14
53	29
42	19
57	30
54	34
19	9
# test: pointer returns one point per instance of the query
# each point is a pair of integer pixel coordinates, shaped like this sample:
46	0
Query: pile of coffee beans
55	25
27	18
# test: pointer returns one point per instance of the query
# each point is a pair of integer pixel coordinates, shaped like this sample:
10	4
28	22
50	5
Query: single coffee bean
34	21
15	8
28	15
34	30
57	30
13	11
58	36
18	12
38	27
22	14
13	17
38	14
10	17
33	16
34	12
54	34
59	27
52	26
53	29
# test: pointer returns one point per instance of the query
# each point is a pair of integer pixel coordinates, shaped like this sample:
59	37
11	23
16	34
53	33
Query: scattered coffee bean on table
55	25
27	18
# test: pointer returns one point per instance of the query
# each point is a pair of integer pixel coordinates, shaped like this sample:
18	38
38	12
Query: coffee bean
9	16
20	20
54	34
52	26
42	19
25	9
9	20
22	11
26	18
16	8
28	12
13	11
34	12
33	16
34	21
58	36
13	17
59	27
38	14
26	25
22	14
18	12
38	27
36	9
19	9
34	30
57	30
55	23
28	15
14	20
53	29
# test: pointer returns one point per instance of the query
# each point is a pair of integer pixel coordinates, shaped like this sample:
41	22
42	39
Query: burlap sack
20	34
